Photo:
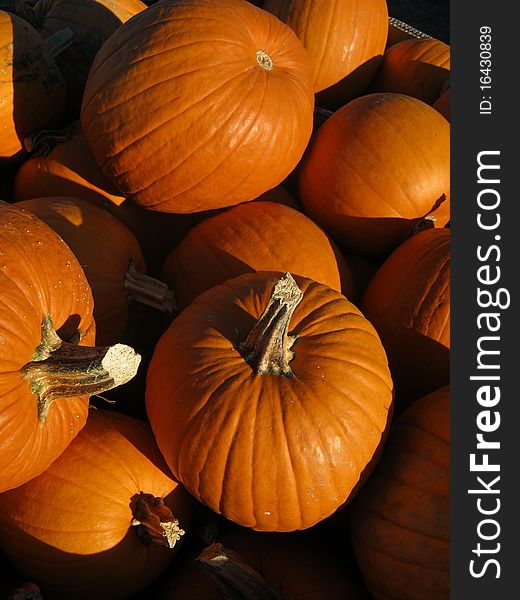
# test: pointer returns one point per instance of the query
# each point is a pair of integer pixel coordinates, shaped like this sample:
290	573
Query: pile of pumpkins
224	301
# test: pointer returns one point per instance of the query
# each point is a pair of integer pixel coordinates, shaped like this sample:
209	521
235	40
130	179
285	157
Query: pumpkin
111	259
408	302
228	388
198	104
367	186
256	236
31	87
416	67
48	368
264	565
103	520
345	41
400	520
442	104
63	165
91	21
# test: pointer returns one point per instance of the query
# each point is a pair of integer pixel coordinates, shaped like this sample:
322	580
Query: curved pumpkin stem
148	290
268	345
61	369
40	143
154	521
235	577
58	42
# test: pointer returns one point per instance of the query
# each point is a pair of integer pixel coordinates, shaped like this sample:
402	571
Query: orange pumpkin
257	236
345	42
47	369
442	104
262	367
64	166
367	186
400	520
31	86
199	104
91	21
111	259
103	520
416	67
408	302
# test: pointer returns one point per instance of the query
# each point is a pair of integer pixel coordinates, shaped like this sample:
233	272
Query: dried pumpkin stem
58	42
154	521
235	577
268	345
60	369
148	290
40	143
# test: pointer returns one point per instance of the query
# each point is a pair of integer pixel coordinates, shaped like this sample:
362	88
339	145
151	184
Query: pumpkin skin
257	236
345	40
218	422
400	519
416	67
368	187
186	87
408	302
105	248
69	169
282	560
39	277
442	104
69	529
32	88
91	21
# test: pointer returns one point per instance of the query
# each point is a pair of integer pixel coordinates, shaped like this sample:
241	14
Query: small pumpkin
215	95
345	42
48	368
103	520
269	396
91	21
408	302
31	87
400	520
111	259
256	236
416	67
369	187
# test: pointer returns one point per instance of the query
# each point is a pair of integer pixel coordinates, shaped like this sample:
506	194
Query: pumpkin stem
154	521
148	290
28	10
234	576
268	345
264	60
40	143
59	41
62	369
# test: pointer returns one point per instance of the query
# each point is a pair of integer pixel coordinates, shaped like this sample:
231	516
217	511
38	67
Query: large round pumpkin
91	21
367	185
408	302
47	370
111	259
345	41
199	104
416	67
269	399
400	520
256	236
105	518
31	86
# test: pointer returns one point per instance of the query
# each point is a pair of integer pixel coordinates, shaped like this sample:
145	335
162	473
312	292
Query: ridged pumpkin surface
408	302
270	451
70	528
256	236
32	90
417	67
340	38
378	165
199	104
39	278
400	520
